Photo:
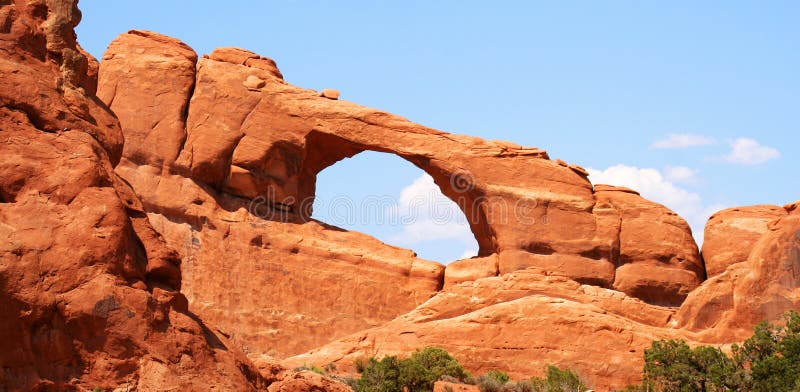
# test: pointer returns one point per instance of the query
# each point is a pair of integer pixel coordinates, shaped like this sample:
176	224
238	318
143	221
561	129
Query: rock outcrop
730	235
520	322
89	291
657	259
765	285
276	287
232	184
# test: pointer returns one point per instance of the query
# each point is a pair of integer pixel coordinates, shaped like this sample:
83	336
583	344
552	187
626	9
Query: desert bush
452	379
349	381
495	381
772	355
330	368
767	361
671	365
380	376
312	368
498	375
522	386
489	384
426	366
360	363
558	380
415	374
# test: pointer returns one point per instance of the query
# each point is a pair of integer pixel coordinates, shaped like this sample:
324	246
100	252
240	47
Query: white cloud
682	174
748	151
652	185
469	253
428	215
683	140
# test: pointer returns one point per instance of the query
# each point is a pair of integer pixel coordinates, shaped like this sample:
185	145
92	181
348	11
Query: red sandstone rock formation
730	235
219	165
567	273
88	290
520	322
766	284
248	139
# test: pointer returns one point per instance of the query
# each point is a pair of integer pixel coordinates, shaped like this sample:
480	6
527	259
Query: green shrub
380	376
495	381
349	381
360	363
427	366
523	386
330	368
558	380
767	361
417	373
498	375
672	365
773	355
489	384
312	368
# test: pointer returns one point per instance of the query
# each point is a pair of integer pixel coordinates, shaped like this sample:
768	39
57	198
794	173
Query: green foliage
360	363
773	354
416	374
312	368
316	369
767	361
349	381
498	375
489	384
419	372
330	368
380	376
495	381
672	365
558	380
427	366
521	386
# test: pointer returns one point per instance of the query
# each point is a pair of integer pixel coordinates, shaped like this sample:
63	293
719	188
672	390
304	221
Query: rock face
658	260
520	322
186	257
275	287
232	185
524	320
730	235
762	287
89	291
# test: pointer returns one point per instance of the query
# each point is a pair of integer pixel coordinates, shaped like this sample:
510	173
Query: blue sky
696	104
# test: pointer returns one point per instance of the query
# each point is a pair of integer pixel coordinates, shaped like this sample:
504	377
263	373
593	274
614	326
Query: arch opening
393	200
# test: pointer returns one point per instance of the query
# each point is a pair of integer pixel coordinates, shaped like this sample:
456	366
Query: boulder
763	287
731	233
329	93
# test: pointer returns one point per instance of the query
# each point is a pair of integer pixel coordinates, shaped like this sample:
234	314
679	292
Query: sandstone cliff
89	291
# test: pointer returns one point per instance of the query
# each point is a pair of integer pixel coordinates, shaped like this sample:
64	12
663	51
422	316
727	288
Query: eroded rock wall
89	291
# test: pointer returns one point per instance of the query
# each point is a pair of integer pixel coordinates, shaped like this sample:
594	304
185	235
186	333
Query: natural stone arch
247	134
324	150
